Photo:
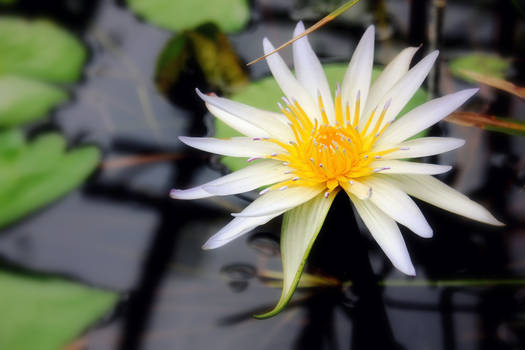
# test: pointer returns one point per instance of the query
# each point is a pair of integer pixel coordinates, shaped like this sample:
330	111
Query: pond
100	257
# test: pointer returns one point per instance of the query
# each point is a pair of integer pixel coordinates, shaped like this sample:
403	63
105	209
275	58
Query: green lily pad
24	100
45	313
41	172
265	93
484	63
177	15
39	49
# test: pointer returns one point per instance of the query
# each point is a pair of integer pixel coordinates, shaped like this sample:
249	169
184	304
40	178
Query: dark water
122	232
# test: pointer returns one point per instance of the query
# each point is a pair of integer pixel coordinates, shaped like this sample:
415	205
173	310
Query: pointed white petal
359	73
253	176
399	206
310	73
437	193
387	235
424	116
287	82
299	231
236	228
190	193
279	200
389	76
261	123
399	95
233	147
422	147
404	167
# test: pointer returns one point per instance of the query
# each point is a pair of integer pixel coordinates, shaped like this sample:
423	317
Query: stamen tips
326	194
264	191
387	104
283	188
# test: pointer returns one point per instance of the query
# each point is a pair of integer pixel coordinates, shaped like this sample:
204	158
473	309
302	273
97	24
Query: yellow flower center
329	155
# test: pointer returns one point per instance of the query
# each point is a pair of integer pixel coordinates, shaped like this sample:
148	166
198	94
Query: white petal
399	95
299	231
287	82
260	123
389	76
279	200
359	73
422	147
387	235
310	73
437	193
233	147
399	206
424	116
236	228
259	174
404	167
190	193
358	189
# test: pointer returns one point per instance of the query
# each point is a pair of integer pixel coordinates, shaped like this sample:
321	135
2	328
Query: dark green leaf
212	52
46	313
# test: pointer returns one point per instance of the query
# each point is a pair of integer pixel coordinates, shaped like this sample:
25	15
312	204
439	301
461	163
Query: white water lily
319	145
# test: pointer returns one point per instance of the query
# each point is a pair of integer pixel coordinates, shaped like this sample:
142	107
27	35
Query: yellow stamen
325	154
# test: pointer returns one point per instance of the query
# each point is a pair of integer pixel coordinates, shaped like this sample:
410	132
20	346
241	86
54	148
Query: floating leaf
488	122
488	64
265	93
24	100
177	15
39	49
211	49
40	312
299	231
40	173
496	83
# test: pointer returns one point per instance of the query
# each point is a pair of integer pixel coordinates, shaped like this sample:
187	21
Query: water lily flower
319	145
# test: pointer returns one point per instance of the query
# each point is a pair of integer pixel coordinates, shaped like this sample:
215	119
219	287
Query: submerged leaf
488	122
299	231
265	93
25	100
213	53
40	173
229	15
45	313
488	64
39	49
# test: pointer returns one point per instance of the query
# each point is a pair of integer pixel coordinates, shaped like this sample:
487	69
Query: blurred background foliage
94	255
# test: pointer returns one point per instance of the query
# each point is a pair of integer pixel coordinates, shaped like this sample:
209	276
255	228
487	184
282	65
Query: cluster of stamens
327	154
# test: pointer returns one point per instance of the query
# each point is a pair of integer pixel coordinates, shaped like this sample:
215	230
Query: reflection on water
122	231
